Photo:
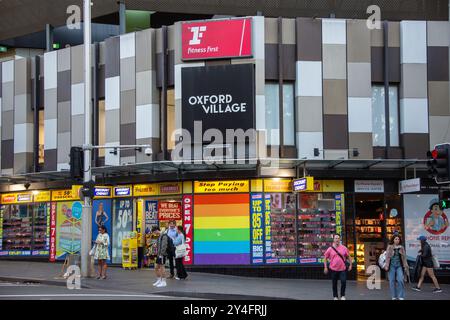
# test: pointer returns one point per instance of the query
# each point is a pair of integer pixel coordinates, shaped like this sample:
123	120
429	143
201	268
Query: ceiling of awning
201	167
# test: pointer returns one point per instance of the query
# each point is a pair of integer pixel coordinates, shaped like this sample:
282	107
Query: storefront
25	224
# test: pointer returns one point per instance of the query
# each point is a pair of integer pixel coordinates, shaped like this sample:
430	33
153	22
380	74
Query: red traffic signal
439	163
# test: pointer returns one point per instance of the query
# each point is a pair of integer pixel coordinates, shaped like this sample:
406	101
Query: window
273	114
41	137
101	127
379	118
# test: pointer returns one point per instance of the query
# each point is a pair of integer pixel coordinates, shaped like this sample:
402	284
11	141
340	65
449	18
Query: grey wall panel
8	125
77	135
271	61
438	66
64	85
7	153
127	74
112	57
128	107
64	117
127	137
289	61
309	39
50	160
336	133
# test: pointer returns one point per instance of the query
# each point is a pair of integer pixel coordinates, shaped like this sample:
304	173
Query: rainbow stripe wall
221	229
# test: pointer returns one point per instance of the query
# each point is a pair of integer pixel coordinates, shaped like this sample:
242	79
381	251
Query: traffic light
444	199
76	163
439	164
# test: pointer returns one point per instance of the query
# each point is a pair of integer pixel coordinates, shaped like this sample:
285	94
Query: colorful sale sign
257	228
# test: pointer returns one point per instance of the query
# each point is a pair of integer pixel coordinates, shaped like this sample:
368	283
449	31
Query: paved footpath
206	286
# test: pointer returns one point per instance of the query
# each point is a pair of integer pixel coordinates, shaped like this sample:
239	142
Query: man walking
172	233
338	255
162	246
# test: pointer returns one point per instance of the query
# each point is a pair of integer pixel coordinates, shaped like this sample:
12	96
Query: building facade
308	93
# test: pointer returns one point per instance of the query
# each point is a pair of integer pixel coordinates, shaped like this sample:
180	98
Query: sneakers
176	278
394	299
437	290
401	298
416	288
343	298
336	298
157	282
162	284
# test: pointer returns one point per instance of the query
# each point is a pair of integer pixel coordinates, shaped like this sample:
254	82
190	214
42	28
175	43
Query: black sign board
221	97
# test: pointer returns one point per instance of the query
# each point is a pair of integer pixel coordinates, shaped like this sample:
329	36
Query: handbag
181	250
436	263
92	252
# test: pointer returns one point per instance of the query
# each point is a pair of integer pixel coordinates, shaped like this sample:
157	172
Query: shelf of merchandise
129	253
393	224
283	234
315	232
17	234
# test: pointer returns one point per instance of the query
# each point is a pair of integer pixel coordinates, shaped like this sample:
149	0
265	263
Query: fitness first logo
197	34
220	103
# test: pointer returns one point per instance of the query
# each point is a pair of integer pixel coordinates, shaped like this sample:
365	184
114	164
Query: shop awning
202	167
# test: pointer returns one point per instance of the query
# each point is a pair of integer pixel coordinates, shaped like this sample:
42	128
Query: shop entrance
377	218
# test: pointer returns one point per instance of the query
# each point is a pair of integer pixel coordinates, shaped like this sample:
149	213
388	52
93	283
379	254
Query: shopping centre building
234	109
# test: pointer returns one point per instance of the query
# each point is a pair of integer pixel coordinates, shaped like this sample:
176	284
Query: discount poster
257	228
101	215
122	226
151	215
68	228
423	216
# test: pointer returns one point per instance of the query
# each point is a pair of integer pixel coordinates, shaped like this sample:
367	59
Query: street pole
87	207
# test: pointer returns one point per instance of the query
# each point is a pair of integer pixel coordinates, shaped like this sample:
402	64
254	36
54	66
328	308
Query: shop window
273	114
101	127
40	232
320	217
379	116
282	226
41	137
170	118
122	226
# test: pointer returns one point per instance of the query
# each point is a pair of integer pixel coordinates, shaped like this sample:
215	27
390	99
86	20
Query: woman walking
102	251
179	240
427	265
162	247
338	254
397	266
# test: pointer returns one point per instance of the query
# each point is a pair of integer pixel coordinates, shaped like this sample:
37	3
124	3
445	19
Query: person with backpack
340	263
427	265
397	267
163	246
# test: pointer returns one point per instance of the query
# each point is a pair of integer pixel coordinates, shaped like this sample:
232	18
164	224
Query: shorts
427	264
161	260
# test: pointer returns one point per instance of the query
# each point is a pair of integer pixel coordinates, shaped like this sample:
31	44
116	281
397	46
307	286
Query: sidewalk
212	286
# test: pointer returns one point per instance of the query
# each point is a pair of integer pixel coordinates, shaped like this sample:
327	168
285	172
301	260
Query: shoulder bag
181	250
347	264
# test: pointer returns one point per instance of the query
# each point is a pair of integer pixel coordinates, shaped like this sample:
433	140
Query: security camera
148	151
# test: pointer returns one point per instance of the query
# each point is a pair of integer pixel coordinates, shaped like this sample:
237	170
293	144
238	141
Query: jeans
399	290
181	271
339	275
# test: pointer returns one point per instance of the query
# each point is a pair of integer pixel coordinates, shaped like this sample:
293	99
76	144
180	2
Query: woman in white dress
102	251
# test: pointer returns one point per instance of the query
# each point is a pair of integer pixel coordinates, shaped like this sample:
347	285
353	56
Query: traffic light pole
87	207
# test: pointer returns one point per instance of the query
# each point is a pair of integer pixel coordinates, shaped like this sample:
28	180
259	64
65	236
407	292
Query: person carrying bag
180	253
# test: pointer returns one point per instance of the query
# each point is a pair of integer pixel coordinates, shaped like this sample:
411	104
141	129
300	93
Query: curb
59	283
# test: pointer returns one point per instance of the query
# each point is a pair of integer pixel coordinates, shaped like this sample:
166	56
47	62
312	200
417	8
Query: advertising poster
338	199
101	215
151	215
68	228
268	230
1	229
423	216
122	226
257	228
188	229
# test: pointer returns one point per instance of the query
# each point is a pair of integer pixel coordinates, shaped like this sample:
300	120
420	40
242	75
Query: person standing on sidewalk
172	233
338	255
163	246
397	266
427	265
179	240
102	251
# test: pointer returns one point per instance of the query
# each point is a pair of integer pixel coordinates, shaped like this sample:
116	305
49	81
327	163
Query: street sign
303	184
410	185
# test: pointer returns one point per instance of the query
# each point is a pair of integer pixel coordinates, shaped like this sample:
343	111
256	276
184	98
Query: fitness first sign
220	97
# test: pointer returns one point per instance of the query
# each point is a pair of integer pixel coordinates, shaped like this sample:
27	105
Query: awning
200	166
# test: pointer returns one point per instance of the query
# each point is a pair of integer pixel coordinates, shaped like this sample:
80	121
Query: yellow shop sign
42	196
64	195
142	190
232	186
277	185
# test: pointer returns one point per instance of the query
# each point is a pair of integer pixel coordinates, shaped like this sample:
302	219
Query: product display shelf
368	229
283	235
360	266
17	234
129	253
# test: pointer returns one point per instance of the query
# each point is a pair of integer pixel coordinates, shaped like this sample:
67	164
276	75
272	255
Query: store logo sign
122	191
102	192
304	184
24	198
197	33
369	186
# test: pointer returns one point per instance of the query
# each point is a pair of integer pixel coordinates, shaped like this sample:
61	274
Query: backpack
170	245
382	260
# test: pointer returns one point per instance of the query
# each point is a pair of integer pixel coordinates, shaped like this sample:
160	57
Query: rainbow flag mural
221	229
